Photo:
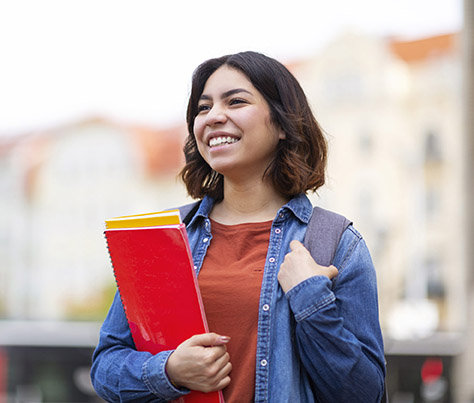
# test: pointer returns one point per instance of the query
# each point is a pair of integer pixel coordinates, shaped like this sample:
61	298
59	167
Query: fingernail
224	339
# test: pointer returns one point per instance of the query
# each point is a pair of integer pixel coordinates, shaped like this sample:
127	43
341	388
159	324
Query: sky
63	60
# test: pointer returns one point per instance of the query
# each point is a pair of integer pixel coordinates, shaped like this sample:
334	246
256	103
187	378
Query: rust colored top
230	281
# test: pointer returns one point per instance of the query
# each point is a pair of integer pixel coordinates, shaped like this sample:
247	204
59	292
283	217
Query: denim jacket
319	342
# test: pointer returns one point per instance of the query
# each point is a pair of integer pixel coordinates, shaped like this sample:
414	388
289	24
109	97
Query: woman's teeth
217	141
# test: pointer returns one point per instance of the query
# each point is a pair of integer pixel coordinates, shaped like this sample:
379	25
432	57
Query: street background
92	104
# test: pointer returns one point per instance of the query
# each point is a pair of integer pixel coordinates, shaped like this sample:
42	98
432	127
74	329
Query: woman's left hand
299	265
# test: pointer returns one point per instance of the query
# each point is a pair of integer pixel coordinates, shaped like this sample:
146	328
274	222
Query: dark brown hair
300	159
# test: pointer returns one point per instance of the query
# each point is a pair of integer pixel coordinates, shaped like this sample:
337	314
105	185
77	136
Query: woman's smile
219	141
221	138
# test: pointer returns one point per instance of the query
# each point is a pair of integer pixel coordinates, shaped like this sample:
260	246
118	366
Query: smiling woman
283	327
269	90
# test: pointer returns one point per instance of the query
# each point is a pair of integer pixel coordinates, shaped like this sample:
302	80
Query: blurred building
392	110
393	114
466	364
58	186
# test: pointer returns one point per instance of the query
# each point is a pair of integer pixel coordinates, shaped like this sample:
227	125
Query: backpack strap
188	210
323	234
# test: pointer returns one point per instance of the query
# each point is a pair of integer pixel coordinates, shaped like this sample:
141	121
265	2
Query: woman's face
233	129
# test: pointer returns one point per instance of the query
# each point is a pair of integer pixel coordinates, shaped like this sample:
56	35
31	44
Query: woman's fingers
218	374
223	378
299	265
201	363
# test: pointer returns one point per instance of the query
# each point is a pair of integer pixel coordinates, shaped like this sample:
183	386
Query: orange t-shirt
230	280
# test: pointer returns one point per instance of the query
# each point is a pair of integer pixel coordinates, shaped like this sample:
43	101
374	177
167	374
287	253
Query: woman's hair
300	159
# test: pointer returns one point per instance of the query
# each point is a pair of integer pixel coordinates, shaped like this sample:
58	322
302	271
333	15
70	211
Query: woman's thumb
210	339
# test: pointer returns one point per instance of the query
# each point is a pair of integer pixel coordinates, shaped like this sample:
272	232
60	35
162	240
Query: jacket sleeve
338	333
120	373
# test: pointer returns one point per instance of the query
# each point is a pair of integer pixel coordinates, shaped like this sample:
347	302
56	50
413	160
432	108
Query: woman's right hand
201	363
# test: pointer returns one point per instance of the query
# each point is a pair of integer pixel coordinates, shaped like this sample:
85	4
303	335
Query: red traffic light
431	370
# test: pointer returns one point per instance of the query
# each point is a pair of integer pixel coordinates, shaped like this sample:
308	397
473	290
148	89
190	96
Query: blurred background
92	104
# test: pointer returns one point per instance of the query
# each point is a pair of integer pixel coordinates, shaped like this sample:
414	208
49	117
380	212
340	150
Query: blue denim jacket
321	342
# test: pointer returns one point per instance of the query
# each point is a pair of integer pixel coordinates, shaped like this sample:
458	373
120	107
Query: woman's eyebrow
226	94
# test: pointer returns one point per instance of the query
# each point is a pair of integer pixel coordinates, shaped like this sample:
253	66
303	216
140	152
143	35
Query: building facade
59	186
393	114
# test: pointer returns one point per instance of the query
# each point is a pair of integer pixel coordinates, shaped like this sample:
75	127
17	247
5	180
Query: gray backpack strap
323	234
188	210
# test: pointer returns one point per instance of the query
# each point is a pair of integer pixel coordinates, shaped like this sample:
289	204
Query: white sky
132	60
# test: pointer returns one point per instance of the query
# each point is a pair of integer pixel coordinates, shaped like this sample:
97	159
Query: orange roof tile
425	48
162	150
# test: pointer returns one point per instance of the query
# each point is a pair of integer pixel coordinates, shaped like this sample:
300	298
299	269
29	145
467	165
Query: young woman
284	329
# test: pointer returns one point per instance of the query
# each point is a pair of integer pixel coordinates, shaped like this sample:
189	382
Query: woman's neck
250	202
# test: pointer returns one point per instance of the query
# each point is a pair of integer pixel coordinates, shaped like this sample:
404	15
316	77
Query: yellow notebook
169	217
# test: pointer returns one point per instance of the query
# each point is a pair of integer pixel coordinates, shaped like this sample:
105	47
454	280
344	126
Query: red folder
155	275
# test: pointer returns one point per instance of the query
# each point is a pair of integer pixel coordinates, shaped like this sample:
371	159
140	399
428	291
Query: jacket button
205	240
263	363
266	307
277	231
271	260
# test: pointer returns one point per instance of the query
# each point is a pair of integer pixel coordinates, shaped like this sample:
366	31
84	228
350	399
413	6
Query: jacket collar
299	205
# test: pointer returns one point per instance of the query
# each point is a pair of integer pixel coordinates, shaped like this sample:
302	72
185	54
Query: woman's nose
216	115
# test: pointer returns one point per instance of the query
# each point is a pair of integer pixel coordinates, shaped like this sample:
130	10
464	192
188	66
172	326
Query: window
433	151
434	279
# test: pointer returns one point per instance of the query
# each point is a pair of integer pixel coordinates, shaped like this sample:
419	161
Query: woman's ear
281	134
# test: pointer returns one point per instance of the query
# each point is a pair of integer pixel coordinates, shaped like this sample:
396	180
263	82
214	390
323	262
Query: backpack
322	237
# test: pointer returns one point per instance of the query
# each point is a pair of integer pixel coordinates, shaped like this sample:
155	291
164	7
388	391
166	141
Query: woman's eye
203	108
237	101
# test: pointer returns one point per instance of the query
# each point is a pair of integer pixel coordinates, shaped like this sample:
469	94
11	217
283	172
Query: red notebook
155	275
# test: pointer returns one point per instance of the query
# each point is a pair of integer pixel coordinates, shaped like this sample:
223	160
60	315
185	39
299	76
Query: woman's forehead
227	78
